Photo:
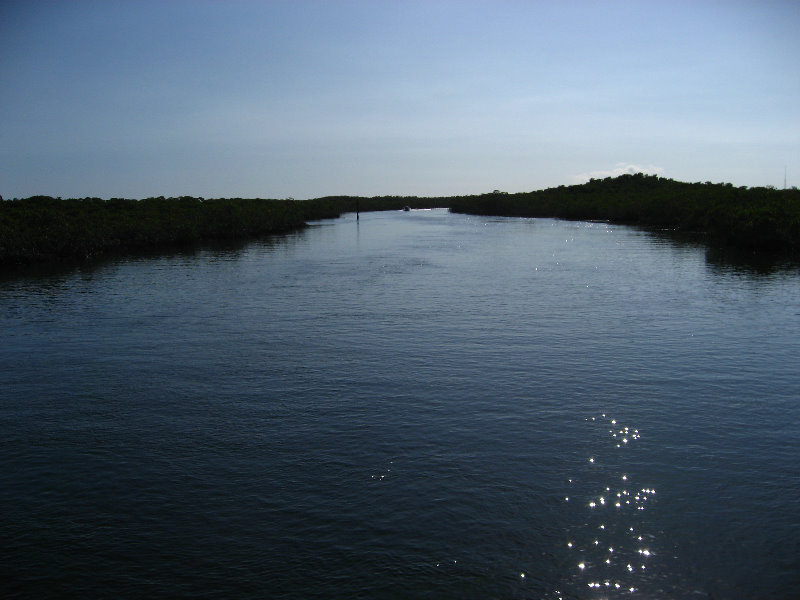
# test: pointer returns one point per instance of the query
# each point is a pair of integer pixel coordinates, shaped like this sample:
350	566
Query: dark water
420	405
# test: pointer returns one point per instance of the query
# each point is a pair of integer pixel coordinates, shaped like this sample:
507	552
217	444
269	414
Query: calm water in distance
415	405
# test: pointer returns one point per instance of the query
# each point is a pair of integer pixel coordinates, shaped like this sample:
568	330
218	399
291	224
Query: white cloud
619	169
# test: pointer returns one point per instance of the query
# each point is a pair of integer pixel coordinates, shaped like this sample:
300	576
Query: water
415	405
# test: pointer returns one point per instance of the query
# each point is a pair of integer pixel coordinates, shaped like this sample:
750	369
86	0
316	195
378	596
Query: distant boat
406	208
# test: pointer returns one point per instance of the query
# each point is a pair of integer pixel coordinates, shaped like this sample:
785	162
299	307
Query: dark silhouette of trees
42	228
46	229
760	218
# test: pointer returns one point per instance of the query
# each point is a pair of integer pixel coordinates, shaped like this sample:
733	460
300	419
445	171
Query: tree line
46	229
759	218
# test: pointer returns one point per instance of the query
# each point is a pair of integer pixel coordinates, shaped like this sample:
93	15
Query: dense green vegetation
749	218
41	228
45	229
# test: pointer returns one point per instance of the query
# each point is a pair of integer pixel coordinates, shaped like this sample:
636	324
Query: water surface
414	405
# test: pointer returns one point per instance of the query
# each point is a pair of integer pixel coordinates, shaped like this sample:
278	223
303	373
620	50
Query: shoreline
45	230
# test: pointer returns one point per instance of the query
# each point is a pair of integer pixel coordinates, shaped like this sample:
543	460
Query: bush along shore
758	219
43	229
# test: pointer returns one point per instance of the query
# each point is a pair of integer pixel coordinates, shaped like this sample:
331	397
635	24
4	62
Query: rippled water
415	405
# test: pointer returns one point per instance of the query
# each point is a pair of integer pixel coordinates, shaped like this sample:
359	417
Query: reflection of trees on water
725	259
754	264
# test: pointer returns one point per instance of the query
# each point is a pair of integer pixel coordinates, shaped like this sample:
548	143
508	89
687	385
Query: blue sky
310	98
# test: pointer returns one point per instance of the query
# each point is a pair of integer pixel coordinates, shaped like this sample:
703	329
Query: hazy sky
301	98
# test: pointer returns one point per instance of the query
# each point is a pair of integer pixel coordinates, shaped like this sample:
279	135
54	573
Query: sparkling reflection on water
610	541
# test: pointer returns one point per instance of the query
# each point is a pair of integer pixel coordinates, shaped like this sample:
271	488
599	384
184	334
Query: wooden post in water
357	209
